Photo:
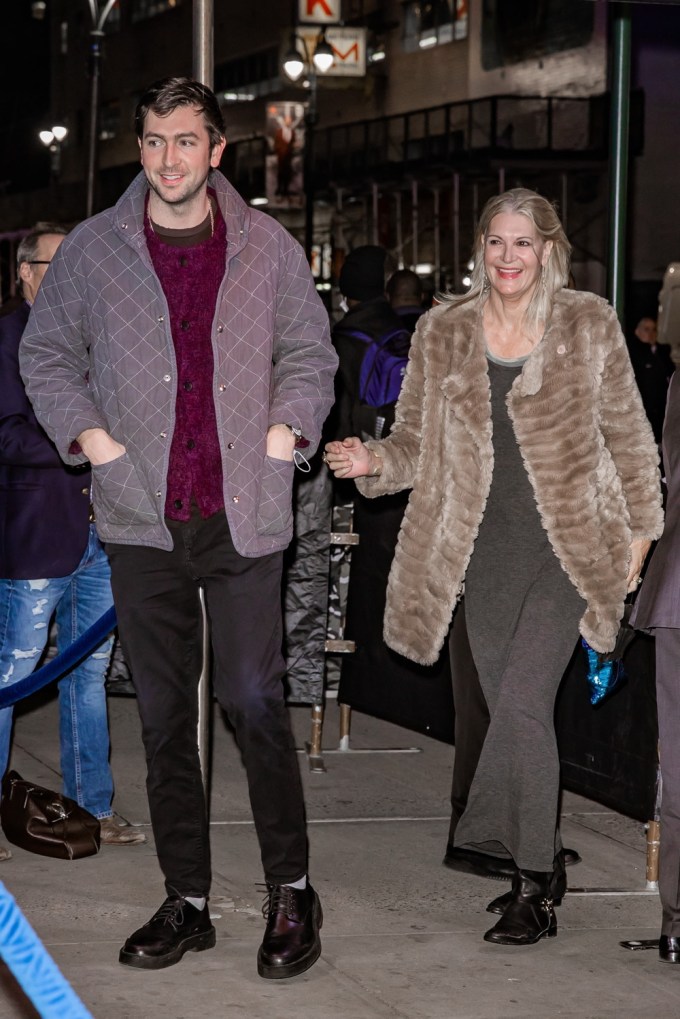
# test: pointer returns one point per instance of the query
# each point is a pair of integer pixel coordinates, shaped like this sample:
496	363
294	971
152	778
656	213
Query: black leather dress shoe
469	861
669	949
176	928
291	942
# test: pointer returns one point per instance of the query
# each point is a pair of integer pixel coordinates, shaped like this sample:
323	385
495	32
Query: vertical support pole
204	700
414	222
564	202
345	720
203	64
96	37
653	843
314	752
455	231
399	229
437	239
375	195
203	61
310	125
618	154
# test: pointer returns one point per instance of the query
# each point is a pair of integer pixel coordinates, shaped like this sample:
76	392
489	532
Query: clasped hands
350	458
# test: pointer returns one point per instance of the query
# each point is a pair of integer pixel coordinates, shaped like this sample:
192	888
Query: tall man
180	346
51	563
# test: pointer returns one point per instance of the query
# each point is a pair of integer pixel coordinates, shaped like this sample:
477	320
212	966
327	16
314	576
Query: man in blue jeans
51	564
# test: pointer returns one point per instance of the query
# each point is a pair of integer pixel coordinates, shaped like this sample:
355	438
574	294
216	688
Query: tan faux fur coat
585	441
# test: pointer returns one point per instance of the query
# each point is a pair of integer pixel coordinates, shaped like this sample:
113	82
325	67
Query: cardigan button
561	349
84	491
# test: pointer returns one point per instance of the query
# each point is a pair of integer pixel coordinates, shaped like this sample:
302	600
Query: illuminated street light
53	140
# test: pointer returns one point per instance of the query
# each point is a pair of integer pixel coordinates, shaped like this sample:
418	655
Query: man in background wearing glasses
51	564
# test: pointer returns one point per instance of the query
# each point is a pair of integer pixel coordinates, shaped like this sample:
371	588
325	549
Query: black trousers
160	626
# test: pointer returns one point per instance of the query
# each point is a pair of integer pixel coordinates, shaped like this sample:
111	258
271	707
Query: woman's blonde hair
547	224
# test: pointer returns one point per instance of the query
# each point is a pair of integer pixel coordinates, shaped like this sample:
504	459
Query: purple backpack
383	366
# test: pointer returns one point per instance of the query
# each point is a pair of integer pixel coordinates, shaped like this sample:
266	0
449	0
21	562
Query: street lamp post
294	65
96	36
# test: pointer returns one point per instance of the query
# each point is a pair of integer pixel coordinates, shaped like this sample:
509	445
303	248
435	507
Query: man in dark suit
51	563
657	610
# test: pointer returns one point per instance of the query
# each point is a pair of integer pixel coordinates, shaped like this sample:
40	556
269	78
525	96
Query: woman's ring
638	580
324	457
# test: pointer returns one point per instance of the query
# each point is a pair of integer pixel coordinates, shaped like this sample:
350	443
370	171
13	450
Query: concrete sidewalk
402	935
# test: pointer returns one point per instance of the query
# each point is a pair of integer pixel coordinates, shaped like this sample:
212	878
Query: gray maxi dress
522	614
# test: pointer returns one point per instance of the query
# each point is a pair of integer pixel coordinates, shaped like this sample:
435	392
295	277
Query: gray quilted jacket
98	352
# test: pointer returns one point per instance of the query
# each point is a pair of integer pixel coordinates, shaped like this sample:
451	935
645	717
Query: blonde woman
534	481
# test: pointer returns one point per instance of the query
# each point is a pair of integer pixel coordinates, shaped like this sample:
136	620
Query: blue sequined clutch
606	672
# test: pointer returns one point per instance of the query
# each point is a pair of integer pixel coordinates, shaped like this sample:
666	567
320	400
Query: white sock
302	883
195	902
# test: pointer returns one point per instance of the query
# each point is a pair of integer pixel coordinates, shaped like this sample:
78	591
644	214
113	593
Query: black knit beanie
362	276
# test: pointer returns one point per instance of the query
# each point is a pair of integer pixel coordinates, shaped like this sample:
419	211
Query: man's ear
216	153
25	272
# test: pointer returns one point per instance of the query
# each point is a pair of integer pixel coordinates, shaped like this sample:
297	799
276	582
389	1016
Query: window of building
109	120
246	78
433	23
142	9
530	29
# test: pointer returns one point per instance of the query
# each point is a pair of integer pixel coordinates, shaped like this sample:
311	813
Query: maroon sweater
191	277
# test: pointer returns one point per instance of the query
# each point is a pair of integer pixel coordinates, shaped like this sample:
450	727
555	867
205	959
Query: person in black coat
653	368
657	610
374	678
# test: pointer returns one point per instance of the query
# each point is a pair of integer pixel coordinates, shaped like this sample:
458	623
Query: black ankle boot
530	915
558	887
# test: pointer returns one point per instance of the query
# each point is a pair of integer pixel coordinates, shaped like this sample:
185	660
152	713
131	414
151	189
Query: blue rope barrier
33	967
80	648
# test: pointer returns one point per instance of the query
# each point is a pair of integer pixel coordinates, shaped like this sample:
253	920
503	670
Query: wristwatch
300	441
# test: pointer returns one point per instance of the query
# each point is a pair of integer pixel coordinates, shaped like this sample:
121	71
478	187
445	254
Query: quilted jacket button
158	494
234	498
230	445
220	329
161	318
167	378
222	387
